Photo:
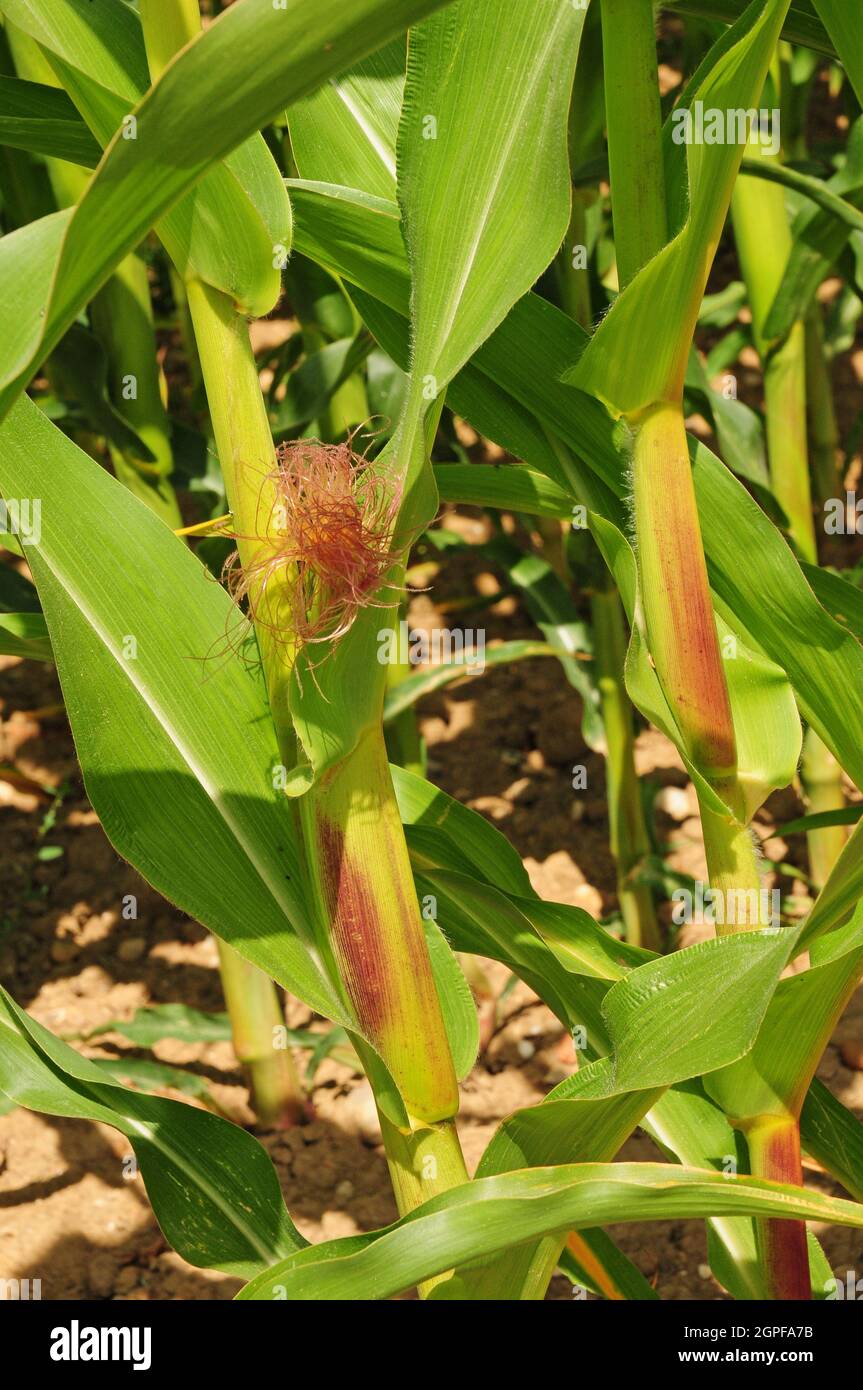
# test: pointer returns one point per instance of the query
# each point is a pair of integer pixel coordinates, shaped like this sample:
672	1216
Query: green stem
574	279
122	318
823	427
733	871
630	844
678	610
763	236
257	1025
822	781
168	26
785	407
251	997
764	242
245	449
634	121
403	738
634	124
422	1164
362	879
348	406
796	384
372	936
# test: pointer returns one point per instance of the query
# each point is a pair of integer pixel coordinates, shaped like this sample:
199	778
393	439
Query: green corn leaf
491	151
801	24
146	1074
246	67
819	239
213	1188
691	1129
688	1127
511	383
25	634
738	428
512	488
449	842
44	121
842	25
843	889
79	371
766	723
495	412
459	1010
773	1078
833	1136
346	131
755	575
485	1216
685	1123
843	600
189	752
150	1025
848	815
480	921
229	230
731	78
105	42
593	1261
429	812
309	389
656	1020
585	1131
809	186
652	1021
409	691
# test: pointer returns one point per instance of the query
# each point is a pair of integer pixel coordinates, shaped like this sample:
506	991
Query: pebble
126	1279
674	802
101	1275
359	1114
132	948
64	951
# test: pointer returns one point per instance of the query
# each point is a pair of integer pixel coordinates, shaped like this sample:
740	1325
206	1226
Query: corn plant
254	790
141	452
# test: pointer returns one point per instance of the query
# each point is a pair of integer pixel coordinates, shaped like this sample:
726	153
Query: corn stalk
678	608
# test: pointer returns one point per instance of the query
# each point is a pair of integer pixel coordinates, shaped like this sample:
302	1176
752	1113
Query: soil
71	1214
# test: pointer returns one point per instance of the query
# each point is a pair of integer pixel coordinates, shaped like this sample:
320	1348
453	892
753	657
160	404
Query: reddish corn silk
327	550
